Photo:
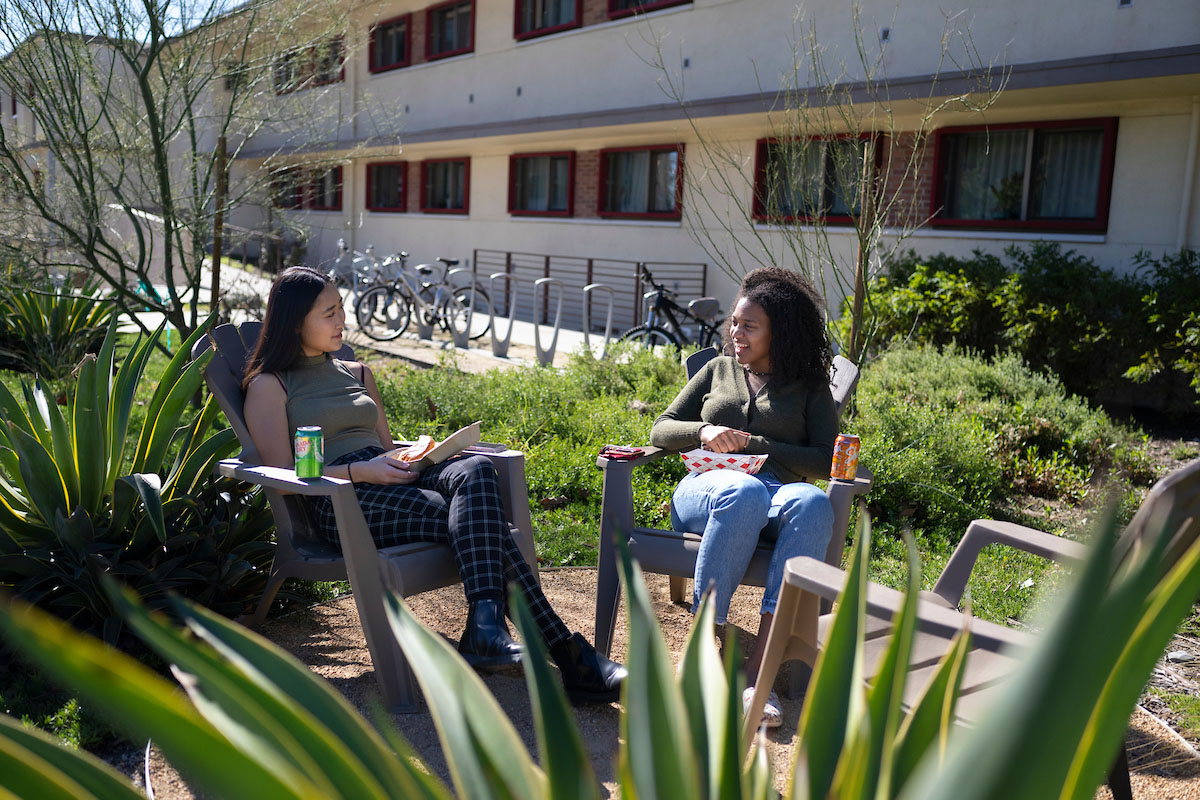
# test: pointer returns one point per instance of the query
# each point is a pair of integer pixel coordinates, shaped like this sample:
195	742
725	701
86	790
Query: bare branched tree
111	164
846	154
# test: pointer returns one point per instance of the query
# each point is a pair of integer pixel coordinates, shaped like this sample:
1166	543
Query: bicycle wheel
710	336
650	336
474	299
382	313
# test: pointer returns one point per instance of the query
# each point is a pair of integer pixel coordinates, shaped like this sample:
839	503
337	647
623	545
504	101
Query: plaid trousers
457	503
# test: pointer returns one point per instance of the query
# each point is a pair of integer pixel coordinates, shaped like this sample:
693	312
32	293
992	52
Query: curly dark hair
800	348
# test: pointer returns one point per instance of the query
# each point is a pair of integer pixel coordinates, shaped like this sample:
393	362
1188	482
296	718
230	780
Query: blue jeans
734	511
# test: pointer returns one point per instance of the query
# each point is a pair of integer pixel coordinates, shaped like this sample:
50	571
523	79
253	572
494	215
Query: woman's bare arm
266	418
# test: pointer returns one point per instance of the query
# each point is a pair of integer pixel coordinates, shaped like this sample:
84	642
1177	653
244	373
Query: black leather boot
486	641
587	676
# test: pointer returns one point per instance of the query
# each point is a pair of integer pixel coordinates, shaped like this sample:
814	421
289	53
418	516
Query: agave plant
46	331
256	723
82	495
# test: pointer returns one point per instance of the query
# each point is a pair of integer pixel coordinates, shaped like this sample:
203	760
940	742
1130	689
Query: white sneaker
772	716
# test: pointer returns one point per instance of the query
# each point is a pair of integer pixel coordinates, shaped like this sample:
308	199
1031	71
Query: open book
427	451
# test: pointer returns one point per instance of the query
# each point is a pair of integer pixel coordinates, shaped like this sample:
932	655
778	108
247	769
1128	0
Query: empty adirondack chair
673	553
300	553
1172	504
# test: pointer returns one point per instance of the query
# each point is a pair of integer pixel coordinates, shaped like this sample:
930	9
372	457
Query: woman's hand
382	469
720	439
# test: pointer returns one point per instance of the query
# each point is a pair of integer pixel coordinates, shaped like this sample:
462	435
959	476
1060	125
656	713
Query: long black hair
292	296
800	348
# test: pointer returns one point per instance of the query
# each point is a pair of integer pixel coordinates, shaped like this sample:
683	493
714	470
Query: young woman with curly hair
770	396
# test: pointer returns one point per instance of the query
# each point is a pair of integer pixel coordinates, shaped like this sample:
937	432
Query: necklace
756	372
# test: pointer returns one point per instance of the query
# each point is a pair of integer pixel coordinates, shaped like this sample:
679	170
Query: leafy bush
950	437
45	330
85	494
1098	331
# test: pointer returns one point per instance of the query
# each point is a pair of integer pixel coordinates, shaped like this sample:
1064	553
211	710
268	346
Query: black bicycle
668	323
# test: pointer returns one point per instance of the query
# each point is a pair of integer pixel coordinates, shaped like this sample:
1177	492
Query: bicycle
665	319
355	272
384	310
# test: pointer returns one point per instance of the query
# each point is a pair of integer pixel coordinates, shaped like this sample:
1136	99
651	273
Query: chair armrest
651	454
819	578
982	532
279	478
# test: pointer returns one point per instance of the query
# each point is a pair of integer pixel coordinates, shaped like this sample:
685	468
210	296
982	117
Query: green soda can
310	452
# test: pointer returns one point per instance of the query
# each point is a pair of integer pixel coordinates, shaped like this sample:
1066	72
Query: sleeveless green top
323	391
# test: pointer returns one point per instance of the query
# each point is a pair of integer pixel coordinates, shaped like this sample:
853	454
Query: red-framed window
387	186
449	29
446	186
625	8
641	182
810	178
540	17
317	189
390	44
1043	176
305	67
541	184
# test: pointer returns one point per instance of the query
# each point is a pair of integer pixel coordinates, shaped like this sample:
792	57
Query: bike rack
545	357
500	346
587	317
461	338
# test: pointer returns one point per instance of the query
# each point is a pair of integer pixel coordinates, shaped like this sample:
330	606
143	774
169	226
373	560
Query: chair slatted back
232	347
1170	508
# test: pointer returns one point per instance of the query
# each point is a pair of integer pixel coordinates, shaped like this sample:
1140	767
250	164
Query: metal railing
689	279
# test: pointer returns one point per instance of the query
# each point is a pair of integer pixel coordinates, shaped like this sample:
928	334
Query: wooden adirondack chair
673	553
406	569
1172	504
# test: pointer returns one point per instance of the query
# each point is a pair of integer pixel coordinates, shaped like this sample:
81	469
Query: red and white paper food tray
699	460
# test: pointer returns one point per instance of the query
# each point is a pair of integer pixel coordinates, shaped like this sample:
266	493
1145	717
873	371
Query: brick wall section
412	186
915	190
587	183
417	40
595	12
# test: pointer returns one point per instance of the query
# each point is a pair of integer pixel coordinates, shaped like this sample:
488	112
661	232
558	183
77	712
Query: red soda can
845	457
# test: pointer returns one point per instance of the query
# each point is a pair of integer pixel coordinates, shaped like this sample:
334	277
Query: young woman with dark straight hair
292	380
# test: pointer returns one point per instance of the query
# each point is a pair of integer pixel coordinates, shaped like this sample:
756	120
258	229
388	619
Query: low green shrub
46	329
1099	332
951	437
560	420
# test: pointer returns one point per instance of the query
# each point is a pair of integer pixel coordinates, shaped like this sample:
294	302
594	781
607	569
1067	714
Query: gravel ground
329	640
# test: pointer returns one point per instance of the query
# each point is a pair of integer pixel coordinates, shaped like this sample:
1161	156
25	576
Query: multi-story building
648	130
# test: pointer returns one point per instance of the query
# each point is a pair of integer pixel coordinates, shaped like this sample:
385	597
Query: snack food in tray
701	460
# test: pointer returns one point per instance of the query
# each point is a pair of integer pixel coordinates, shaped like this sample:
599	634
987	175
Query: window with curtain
386	186
304	67
445	186
315	189
448	29
810	178
1041	176
325	190
389	44
541	184
642	182
623	8
537	17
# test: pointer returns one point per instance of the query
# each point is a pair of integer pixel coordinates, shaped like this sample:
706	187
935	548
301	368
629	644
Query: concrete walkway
479	357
